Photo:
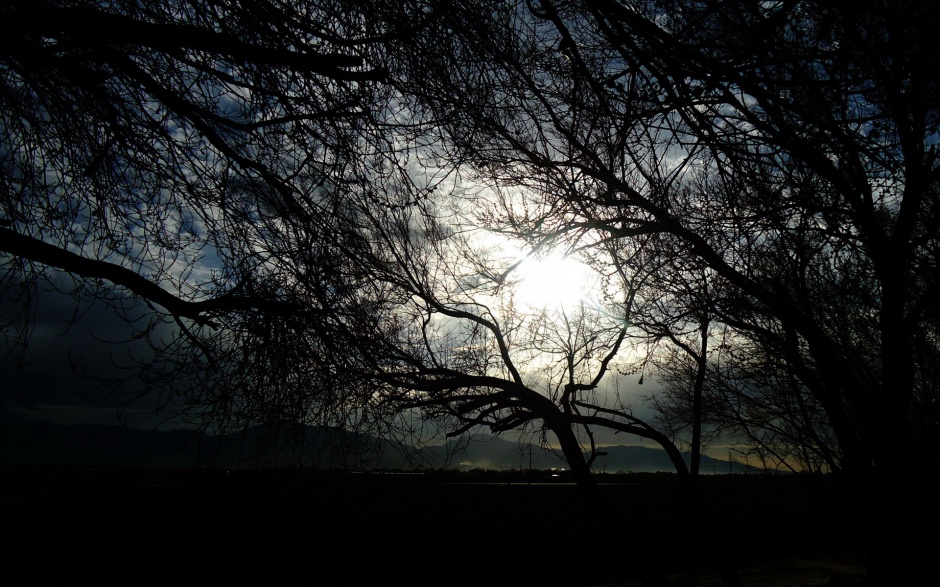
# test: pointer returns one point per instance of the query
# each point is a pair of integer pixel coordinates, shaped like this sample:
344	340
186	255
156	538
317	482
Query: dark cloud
78	364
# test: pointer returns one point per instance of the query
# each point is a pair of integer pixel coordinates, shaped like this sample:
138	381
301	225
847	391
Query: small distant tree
677	323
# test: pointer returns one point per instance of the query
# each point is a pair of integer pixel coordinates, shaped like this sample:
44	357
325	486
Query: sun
555	282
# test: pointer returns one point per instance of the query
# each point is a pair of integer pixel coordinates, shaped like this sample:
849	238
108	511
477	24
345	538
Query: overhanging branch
44	253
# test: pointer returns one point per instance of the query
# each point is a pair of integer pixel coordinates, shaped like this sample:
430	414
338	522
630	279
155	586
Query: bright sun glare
553	282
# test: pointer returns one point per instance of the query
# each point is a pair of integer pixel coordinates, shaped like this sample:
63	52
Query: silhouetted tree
467	353
790	147
680	320
245	172
294	193
210	159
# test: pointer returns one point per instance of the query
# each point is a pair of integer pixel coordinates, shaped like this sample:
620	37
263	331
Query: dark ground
75	525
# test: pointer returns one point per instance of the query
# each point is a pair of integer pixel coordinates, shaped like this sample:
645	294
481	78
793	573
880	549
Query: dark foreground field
140	527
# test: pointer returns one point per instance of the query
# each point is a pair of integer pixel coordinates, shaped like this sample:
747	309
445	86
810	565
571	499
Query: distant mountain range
84	444
256	447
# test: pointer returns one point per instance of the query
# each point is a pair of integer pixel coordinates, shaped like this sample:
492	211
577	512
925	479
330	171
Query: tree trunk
701	365
902	519
901	539
571	448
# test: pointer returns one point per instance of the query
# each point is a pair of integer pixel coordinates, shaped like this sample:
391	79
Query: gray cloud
68	370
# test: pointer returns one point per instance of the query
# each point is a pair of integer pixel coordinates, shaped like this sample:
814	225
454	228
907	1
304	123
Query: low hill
312	447
482	451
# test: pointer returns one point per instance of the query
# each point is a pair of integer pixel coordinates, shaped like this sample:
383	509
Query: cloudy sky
45	381
73	343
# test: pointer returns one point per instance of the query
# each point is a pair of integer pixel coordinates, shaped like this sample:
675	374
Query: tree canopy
787	151
316	203
207	159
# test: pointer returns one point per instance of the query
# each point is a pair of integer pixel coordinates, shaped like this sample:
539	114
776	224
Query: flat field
151	527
